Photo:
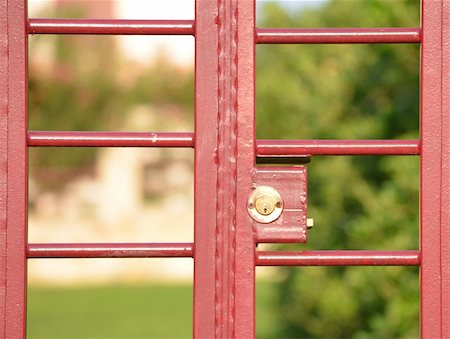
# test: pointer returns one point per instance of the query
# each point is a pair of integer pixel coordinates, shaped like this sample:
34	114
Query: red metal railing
224	253
122	27
339	258
114	250
109	139
338	35
337	147
264	148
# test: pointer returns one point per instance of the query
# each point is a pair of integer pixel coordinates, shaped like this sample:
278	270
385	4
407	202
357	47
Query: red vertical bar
225	143
234	257
206	81
17	172
246	155
3	156
445	211
13	173
434	221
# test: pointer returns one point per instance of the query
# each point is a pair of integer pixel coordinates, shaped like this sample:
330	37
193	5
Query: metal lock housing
277	204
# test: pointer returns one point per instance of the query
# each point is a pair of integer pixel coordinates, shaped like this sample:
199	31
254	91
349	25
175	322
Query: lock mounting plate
288	222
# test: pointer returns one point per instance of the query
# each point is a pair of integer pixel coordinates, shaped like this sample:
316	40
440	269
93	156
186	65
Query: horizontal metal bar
338	258
113	250
338	35
265	148
109	139
280	148
110	27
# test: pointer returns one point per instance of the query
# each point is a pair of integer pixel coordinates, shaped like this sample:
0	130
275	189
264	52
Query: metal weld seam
226	185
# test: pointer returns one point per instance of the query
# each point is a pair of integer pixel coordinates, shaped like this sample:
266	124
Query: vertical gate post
435	170
445	211
225	159
244	60
205	176
13	167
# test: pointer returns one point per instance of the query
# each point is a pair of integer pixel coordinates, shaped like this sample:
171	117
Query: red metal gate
225	171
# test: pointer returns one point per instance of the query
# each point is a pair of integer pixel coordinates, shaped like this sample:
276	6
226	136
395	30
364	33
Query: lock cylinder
265	204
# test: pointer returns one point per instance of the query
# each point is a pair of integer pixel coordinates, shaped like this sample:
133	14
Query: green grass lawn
124	311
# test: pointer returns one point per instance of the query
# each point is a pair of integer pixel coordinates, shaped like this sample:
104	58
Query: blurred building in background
142	49
90	9
118	194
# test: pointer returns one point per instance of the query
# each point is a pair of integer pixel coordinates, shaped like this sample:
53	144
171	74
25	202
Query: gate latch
278	204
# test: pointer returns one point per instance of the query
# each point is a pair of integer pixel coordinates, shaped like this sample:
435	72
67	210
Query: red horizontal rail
338	35
110	27
109	139
338	258
281	148
265	148
114	250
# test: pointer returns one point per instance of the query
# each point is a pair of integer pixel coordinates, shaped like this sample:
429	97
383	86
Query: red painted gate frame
225	152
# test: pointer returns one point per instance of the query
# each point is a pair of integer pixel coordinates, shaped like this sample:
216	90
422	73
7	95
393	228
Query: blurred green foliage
348	92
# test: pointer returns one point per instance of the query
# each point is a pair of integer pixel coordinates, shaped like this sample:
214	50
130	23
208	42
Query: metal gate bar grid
223	302
264	148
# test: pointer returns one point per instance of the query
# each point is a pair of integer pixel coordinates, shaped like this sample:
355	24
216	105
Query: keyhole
264	204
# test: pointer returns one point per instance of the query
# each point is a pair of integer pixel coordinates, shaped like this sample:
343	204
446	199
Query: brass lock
265	204
277	219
